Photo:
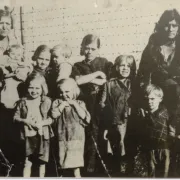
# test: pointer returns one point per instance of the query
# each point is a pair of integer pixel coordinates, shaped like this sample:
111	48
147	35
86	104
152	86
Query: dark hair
166	17
88	39
120	58
39	50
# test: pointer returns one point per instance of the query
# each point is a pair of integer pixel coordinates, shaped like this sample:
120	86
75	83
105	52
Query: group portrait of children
85	119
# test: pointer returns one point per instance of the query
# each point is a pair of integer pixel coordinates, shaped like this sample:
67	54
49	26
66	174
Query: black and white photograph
90	88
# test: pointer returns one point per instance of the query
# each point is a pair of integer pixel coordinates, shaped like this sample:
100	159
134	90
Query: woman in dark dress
160	65
90	75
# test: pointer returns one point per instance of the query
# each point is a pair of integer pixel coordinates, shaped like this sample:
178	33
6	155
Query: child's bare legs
122	131
77	173
167	162
27	168
42	169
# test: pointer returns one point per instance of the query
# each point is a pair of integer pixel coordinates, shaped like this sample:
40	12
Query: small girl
114	100
72	117
42	59
32	112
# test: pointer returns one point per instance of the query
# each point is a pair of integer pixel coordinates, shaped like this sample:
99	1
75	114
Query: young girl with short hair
71	118
32	113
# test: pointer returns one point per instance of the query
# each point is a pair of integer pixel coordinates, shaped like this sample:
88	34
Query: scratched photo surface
90	88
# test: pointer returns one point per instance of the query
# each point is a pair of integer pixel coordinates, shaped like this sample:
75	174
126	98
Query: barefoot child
33	113
114	100
72	117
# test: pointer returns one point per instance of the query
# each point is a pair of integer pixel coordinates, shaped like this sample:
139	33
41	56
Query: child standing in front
156	121
71	116
115	96
32	113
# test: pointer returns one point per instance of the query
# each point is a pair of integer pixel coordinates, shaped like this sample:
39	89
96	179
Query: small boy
60	55
156	121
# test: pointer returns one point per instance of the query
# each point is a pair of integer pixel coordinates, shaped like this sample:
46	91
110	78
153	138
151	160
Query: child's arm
98	82
81	110
17	117
64	71
21	73
89	77
103	97
57	108
47	122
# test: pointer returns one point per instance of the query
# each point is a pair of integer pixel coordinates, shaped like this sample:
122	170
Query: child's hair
41	80
70	82
132	63
39	50
151	88
64	49
88	39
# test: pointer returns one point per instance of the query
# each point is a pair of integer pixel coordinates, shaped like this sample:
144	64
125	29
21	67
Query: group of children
78	106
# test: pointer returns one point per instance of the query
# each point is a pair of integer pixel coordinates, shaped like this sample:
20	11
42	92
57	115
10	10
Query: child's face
124	69
16	54
43	60
91	51
153	102
34	89
57	57
66	92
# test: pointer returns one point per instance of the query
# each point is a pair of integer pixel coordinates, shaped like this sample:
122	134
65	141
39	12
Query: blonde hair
41	80
131	60
151	88
72	83
64	49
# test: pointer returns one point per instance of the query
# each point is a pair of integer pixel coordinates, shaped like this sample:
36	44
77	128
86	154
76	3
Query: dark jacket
115	99
22	110
152	62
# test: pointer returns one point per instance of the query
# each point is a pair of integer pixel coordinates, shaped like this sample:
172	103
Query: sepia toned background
123	26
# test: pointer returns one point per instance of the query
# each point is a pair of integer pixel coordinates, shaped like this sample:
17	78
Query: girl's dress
36	141
70	135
